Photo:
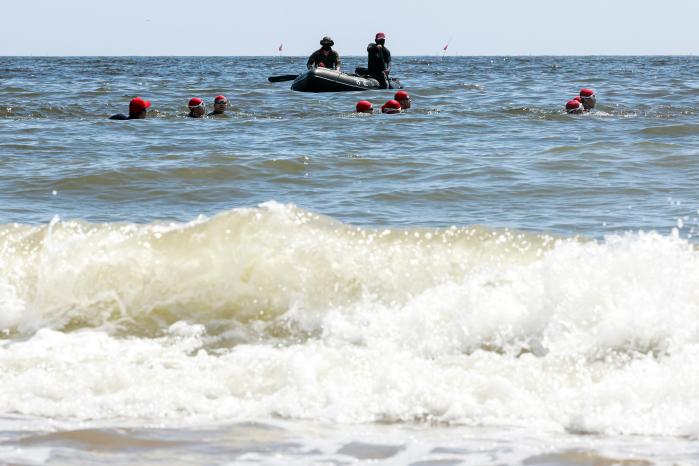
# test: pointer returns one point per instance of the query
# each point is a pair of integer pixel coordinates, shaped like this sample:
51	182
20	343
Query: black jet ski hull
322	80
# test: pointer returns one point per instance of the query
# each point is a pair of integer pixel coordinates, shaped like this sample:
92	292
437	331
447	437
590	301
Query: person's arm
337	61
388	61
311	61
373	57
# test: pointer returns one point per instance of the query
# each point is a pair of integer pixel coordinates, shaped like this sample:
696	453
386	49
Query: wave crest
279	273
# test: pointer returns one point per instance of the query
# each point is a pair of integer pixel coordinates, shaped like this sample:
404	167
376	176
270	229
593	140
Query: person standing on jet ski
379	60
325	56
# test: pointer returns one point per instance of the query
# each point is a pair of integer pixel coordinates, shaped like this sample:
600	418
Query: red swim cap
137	105
220	98
195	102
573	106
578	98
586	92
380	35
363	106
392	106
401	95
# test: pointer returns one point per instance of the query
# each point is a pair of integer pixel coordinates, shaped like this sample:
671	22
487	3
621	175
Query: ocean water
483	280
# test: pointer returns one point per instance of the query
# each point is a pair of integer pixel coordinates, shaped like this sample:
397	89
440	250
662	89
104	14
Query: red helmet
137	105
195	102
392	106
573	106
588	98
364	106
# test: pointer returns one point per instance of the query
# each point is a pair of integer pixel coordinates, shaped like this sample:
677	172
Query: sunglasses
201	105
219	102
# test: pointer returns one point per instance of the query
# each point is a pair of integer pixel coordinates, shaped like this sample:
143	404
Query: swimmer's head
196	107
573	107
588	98
403	99
390	107
137	108
364	106
220	103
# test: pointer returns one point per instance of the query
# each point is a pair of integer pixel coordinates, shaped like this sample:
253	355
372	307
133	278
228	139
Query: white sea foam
279	312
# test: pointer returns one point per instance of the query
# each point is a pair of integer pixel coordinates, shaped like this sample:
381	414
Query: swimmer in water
391	107
403	99
220	105
364	106
197	109
137	110
588	99
574	107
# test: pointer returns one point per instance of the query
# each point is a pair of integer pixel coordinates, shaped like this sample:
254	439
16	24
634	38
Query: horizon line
351	56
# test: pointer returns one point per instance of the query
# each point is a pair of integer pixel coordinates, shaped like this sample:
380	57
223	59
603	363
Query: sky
413	27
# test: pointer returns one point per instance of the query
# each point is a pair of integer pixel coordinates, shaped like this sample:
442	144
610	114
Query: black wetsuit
119	116
379	63
331	61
